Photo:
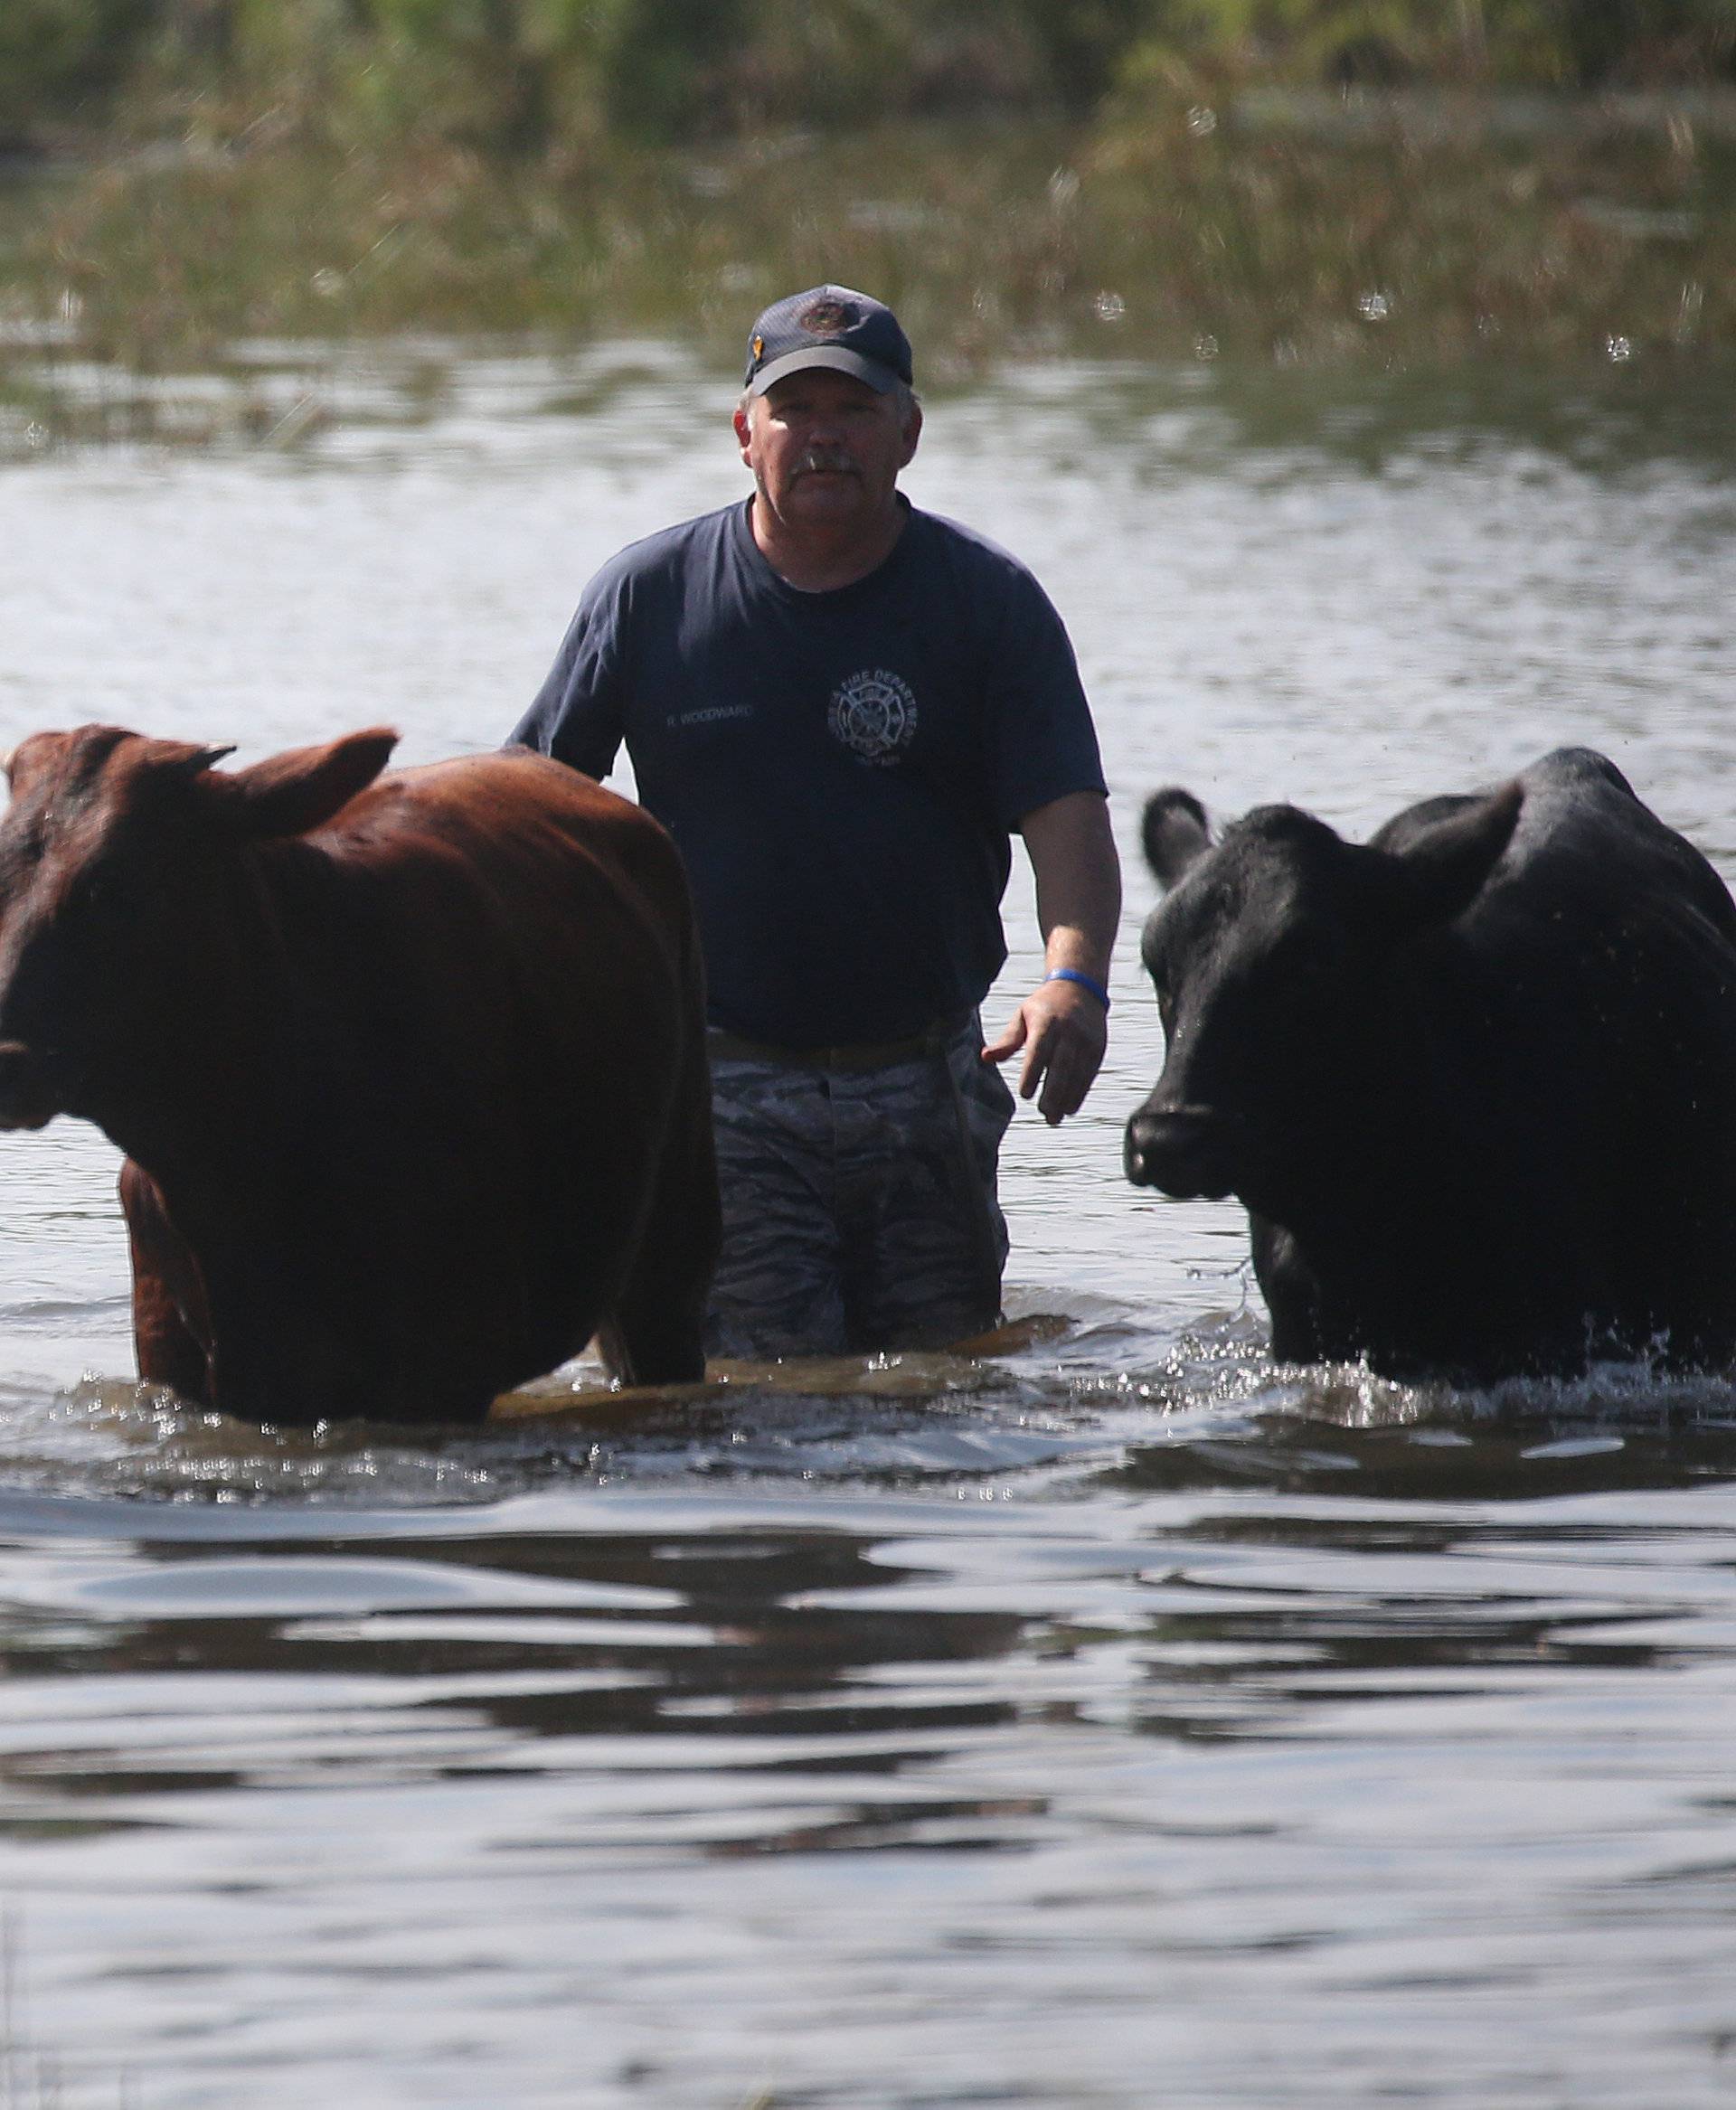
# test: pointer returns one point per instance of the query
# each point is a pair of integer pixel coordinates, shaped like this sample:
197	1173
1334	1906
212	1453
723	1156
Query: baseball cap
828	325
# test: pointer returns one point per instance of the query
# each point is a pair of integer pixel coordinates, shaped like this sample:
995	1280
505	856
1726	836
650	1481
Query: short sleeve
578	715
1040	742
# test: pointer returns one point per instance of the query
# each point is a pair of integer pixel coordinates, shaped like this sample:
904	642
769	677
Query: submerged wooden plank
913	1373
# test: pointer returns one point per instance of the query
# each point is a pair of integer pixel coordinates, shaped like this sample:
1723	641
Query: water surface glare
1121	1721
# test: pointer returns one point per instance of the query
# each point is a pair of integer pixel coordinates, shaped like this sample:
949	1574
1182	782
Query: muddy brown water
1113	1721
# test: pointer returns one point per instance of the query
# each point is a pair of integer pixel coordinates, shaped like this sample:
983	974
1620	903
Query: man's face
825	450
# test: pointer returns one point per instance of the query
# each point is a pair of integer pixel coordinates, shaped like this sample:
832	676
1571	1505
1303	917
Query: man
840	707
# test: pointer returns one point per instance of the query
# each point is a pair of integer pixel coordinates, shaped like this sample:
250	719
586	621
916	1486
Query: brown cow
410	1073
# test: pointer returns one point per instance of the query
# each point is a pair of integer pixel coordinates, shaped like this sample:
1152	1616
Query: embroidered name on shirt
711	715
873	714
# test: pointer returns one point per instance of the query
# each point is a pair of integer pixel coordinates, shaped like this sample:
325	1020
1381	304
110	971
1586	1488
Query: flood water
1120	1721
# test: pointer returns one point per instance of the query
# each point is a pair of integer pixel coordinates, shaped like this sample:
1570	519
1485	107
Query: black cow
1474	1080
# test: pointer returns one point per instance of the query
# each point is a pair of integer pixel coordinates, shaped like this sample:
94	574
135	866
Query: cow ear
185	758
1444	866
21	764
288	793
1174	832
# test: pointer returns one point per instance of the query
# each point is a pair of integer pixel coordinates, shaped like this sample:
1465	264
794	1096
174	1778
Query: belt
848	1055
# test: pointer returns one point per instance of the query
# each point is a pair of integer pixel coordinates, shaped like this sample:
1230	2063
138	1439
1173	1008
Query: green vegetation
556	76
1160	230
1373	183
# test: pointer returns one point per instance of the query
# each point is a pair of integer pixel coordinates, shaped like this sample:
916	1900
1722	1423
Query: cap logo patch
828	318
758	345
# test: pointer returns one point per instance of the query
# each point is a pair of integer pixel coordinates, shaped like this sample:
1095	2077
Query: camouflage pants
859	1206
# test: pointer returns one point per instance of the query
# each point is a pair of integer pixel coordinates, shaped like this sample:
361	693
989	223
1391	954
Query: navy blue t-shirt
840	770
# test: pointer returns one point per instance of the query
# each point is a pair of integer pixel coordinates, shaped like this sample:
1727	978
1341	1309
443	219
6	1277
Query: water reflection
298	399
1183	1746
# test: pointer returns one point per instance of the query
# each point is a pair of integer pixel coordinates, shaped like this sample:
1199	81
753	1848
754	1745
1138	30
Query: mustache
825	460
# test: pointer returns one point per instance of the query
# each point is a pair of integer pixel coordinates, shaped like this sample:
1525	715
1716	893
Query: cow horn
185	759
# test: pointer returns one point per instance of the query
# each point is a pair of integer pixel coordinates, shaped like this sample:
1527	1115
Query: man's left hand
1063	1031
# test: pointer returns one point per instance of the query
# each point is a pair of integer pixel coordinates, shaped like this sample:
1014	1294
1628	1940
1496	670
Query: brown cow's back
520	989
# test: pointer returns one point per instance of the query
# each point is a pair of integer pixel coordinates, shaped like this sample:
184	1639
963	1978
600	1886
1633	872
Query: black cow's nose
1186	1151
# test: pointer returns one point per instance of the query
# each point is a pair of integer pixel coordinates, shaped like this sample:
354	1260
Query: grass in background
1163	228
1150	178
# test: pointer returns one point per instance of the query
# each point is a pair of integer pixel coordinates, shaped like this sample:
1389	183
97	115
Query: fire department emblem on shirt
873	714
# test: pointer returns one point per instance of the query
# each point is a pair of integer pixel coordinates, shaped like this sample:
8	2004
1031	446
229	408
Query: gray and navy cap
828	325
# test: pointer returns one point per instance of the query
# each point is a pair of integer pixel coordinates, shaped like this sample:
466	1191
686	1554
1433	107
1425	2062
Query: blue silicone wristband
1084	981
